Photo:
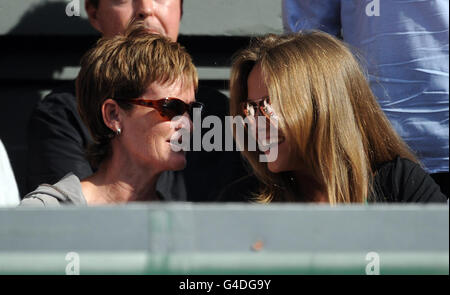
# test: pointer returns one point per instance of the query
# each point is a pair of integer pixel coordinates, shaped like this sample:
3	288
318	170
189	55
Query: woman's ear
91	11
111	115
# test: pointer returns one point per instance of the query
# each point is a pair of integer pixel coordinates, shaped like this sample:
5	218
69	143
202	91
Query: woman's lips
176	146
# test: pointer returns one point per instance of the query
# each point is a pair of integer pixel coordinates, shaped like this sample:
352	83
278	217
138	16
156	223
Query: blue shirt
405	44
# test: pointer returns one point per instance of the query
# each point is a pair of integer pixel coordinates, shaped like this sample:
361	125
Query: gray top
67	191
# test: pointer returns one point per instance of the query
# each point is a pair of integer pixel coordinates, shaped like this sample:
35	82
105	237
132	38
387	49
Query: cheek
284	160
114	21
144	135
155	143
170	19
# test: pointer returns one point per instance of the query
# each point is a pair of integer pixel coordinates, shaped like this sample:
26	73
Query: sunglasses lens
268	110
173	108
249	109
260	108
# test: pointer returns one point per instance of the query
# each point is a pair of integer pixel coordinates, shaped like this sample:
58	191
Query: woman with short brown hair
135	91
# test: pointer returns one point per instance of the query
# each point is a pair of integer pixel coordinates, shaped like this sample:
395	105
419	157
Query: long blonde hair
326	108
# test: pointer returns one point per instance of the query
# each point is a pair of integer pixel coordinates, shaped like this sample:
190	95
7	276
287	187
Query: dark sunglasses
168	107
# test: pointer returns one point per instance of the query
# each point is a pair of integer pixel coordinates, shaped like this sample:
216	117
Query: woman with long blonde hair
334	143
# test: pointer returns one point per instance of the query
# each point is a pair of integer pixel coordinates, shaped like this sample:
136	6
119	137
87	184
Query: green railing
184	238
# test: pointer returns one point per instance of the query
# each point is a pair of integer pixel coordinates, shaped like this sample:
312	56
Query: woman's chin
273	167
178	161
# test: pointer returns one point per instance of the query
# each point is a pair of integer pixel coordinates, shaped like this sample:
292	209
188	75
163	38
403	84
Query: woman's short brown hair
123	67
